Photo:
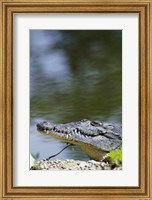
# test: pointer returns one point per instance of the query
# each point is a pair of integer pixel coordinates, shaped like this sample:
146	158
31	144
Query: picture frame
7	143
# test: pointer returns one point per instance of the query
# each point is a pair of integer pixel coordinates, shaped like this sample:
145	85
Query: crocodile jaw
99	135
74	137
62	132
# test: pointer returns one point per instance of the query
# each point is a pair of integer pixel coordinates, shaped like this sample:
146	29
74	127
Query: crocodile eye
96	123
110	127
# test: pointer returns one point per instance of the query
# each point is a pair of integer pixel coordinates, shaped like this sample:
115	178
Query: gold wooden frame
7	9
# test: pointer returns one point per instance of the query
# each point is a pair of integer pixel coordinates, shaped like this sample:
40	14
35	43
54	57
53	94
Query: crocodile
96	138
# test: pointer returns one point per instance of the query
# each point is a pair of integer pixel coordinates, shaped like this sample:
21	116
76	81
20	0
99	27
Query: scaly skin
94	137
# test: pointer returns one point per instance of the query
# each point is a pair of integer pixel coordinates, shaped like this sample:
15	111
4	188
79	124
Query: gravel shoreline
70	164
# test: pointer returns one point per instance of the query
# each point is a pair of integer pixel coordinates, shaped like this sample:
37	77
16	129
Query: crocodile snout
39	126
44	126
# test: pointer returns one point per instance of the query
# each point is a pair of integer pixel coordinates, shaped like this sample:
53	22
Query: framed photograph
75	104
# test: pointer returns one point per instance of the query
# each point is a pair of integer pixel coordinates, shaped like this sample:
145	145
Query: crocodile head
94	137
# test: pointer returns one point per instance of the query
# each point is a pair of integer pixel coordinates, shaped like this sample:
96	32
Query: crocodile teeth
76	136
66	136
77	130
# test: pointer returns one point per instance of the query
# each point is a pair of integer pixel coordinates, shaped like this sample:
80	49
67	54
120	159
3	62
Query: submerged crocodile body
94	137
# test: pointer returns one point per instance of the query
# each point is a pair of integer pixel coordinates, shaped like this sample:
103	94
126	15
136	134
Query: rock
76	165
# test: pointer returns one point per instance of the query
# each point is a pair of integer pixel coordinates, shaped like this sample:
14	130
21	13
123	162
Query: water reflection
73	75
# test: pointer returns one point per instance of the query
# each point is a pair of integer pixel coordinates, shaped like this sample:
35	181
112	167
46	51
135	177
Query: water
73	75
